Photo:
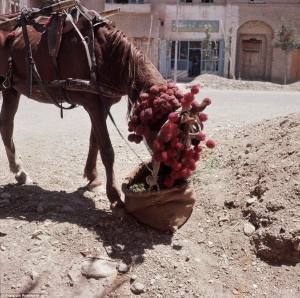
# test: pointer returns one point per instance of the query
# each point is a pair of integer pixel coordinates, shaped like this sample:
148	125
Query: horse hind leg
90	171
9	108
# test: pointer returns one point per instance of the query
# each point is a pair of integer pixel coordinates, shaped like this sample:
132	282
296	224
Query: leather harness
69	84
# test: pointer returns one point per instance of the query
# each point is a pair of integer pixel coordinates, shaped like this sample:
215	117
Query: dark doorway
194	63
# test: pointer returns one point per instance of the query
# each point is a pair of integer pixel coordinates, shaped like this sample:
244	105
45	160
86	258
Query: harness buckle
8	78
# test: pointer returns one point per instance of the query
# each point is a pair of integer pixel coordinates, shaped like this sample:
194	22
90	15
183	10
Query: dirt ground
218	82
250	184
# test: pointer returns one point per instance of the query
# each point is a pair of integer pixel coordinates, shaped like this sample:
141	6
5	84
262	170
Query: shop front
200	33
193	58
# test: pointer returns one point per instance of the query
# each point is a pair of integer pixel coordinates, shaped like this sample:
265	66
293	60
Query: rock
133	278
137	288
249	229
251	201
5	195
177	245
122	268
230	204
34	275
2	248
67	209
36	234
98	268
235	292
210	244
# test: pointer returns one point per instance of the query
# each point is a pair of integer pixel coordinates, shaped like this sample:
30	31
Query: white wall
193	12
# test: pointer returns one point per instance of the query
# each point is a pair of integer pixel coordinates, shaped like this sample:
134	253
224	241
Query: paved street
50	145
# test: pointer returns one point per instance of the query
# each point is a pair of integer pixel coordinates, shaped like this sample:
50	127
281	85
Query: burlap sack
165	210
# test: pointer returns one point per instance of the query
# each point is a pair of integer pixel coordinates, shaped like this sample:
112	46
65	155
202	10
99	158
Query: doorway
194	62
252	67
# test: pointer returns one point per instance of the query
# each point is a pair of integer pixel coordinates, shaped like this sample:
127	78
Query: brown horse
121	68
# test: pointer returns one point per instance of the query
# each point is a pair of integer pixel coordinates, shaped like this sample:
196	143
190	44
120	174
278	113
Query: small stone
251	201
122	268
249	229
255	286
133	278
177	245
98	269
36	234
235	292
210	244
200	241
137	288
34	275
2	248
210	281
5	196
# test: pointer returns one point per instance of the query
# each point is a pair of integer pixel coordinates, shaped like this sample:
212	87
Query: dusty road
46	142
47	231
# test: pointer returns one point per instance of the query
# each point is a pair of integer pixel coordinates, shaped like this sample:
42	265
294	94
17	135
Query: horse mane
128	58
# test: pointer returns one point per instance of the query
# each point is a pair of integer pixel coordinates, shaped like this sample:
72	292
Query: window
207	1
186	1
125	1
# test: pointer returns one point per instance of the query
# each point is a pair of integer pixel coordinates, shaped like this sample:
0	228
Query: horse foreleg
98	114
90	171
10	105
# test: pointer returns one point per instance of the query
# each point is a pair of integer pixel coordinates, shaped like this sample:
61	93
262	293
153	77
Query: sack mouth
177	188
138	176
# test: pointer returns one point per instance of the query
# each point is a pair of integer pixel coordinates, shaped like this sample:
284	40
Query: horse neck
147	75
126	65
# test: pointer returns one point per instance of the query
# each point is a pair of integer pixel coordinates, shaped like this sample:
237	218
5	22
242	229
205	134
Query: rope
127	143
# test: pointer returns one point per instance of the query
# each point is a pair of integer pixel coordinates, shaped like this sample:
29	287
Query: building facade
7	6
241	34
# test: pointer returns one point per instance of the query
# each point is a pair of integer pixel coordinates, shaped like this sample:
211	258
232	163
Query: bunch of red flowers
180	140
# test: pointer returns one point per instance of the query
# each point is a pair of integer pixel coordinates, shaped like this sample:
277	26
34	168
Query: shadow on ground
125	238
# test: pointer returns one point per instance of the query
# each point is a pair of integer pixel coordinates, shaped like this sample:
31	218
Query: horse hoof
118	209
94	185
23	178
